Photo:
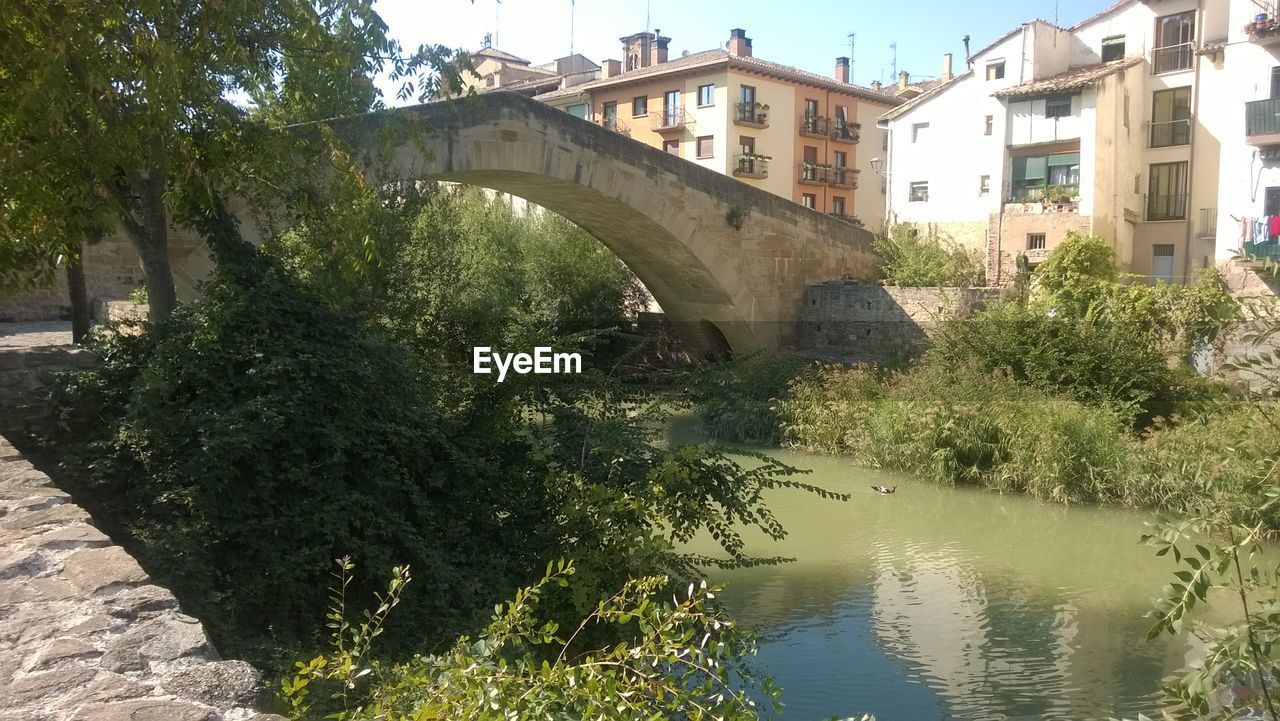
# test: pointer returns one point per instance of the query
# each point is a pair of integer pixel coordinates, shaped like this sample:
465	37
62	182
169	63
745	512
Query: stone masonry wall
849	322
85	636
25	373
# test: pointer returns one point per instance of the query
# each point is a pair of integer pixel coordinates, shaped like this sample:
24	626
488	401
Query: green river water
951	603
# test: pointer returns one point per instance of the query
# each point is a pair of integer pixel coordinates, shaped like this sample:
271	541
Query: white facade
1131	92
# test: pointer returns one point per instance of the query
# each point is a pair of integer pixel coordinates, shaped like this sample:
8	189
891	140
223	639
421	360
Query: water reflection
940	603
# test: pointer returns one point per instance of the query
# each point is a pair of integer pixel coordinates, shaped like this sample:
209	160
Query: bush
734	399
910	257
241	444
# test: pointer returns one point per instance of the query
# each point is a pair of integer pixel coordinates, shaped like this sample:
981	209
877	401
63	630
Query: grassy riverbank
1077	394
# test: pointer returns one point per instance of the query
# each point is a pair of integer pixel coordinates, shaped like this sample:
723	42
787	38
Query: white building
1109	127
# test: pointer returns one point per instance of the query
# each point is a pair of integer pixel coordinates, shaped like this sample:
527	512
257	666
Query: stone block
38	687
141	602
151	709
93	569
222	684
64	513
61	649
73	536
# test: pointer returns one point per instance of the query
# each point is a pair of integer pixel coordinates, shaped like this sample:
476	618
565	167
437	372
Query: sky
808	34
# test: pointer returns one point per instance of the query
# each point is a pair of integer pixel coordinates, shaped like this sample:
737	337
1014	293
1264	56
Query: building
499	70
1241	106
1094	128
800	135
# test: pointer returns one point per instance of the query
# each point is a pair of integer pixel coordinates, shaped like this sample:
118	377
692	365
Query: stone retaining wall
24	389
84	635
850	322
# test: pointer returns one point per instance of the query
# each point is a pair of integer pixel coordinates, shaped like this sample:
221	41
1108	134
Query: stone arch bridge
724	288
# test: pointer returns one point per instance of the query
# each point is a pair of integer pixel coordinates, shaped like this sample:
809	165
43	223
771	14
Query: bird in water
884	489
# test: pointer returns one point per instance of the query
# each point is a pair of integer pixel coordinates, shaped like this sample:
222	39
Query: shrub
910	257
734	399
254	435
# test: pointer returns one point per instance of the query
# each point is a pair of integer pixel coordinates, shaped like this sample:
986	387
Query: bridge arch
721	283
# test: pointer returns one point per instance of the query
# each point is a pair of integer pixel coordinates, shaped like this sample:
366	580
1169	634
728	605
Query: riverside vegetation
307	408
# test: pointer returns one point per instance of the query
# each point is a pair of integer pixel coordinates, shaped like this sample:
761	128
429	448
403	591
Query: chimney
659	48
875	85
842	69
902	80
968	59
946	67
610	68
739	43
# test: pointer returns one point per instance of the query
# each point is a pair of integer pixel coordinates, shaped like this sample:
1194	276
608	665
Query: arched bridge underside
666	218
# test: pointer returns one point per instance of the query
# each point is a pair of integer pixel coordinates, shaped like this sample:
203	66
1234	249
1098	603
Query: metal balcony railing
815	125
1172	132
1172	58
843	130
668	119
1262	118
615	125
749	165
1167	207
844	177
1052	193
752	114
812	174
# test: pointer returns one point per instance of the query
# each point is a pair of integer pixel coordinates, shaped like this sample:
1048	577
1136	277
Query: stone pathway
85	636
34	334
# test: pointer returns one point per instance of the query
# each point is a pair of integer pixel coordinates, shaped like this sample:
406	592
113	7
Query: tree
126	112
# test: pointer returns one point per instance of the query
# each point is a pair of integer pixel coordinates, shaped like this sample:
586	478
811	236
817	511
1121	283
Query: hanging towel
1273	228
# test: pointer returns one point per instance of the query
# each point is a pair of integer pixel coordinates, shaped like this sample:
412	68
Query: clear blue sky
808	34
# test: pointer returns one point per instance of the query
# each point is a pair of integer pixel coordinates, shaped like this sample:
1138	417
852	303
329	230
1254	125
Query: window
984	184
1162	262
840	159
671	146
1112	48
919	192
609	115
810	155
810	108
748	144
810	123
837	205
995	70
706	146
809	200
1170	117
1057	107
1173	48
706	95
1054	177
1035	241
671	108
988	124
1167	191
577	110
640	106
747	95
918	130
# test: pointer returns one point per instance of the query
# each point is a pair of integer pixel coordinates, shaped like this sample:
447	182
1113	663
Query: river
951	603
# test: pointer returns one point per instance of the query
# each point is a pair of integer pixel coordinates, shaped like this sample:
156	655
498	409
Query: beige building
1094	128
803	136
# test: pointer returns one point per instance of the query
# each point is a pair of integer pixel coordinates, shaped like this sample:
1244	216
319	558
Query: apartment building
1094	128
499	70
1241	108
797	134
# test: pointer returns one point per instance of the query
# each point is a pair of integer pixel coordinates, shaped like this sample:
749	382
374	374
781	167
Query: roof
927	95
527	86
571	91
1073	79
709	58
1098	16
497	54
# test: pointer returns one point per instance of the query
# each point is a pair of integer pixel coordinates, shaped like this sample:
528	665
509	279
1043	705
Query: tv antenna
852	36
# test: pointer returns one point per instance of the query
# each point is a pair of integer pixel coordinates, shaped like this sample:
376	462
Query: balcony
1264	30
843	131
813	174
1167	207
1172	58
1262	122
1047	194
814	126
844	178
751	115
615	125
1170	133
750	165
668	120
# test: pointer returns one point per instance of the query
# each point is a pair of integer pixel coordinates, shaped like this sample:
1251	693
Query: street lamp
876	166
